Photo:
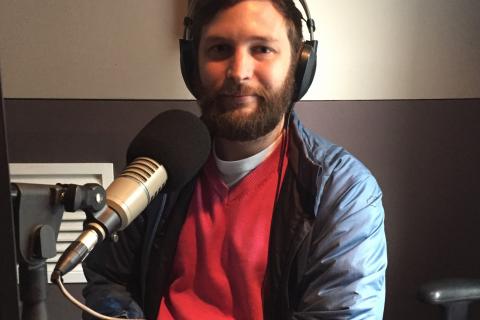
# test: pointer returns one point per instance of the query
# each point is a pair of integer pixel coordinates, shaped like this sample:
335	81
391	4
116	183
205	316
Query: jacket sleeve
112	274
344	274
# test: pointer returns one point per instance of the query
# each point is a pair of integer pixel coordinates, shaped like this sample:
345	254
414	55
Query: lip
240	99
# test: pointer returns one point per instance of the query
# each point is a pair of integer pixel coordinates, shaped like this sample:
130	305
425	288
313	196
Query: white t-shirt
234	171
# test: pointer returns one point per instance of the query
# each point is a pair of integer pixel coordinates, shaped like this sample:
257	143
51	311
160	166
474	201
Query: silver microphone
127	196
165	154
139	183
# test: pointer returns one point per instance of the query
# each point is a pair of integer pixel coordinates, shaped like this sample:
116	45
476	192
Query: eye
219	51
262	50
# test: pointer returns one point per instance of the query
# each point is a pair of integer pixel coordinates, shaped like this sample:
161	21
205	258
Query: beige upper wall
126	49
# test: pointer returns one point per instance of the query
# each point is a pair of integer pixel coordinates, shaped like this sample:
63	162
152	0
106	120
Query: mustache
239	90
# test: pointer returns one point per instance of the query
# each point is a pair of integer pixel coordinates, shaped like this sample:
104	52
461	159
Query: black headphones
304	73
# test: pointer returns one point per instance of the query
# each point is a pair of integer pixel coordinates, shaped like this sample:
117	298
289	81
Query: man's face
244	60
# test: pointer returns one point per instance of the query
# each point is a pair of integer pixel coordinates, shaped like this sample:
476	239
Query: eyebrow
214	38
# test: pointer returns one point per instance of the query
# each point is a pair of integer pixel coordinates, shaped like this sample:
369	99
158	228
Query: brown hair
205	10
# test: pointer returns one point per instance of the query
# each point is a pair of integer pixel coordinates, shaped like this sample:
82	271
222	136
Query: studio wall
398	84
424	154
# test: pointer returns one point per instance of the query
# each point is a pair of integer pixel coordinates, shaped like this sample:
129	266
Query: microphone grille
140	169
142	178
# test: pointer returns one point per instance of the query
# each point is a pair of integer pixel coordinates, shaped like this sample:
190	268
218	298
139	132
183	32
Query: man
279	224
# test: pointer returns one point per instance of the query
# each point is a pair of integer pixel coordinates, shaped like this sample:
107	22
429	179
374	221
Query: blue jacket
327	253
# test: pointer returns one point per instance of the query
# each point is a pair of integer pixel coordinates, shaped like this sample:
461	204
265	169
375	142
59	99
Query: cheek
211	75
274	76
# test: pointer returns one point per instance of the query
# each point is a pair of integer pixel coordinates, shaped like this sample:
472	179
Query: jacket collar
301	157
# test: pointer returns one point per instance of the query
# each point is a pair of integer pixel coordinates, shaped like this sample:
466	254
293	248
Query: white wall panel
115	49
394	49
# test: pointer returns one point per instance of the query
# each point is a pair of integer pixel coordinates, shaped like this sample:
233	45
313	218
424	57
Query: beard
228	123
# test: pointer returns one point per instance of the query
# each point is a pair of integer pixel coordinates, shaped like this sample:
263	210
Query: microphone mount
38	212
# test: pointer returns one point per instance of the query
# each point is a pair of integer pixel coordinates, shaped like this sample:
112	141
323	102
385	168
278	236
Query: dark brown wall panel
424	153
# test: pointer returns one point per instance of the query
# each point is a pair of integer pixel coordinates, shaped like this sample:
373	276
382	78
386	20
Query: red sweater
222	252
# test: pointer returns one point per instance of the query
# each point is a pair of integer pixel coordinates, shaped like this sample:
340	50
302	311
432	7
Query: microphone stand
38	211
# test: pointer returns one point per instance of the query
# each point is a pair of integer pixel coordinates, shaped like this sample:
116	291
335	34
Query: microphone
166	154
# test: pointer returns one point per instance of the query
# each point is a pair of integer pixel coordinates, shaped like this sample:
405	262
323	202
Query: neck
229	150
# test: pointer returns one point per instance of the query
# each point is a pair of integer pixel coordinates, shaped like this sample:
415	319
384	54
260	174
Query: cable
283	152
80	305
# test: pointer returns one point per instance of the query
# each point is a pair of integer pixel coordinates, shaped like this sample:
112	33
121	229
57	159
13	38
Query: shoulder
330	159
340	177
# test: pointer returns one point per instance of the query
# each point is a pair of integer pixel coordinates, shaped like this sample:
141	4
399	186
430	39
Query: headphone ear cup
306	67
187	64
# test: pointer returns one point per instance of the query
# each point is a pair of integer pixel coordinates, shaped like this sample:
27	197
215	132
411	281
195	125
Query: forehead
246	19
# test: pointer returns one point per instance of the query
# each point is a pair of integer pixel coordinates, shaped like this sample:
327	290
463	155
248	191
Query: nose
241	66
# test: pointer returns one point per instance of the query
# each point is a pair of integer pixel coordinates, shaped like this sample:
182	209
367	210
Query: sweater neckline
257	175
